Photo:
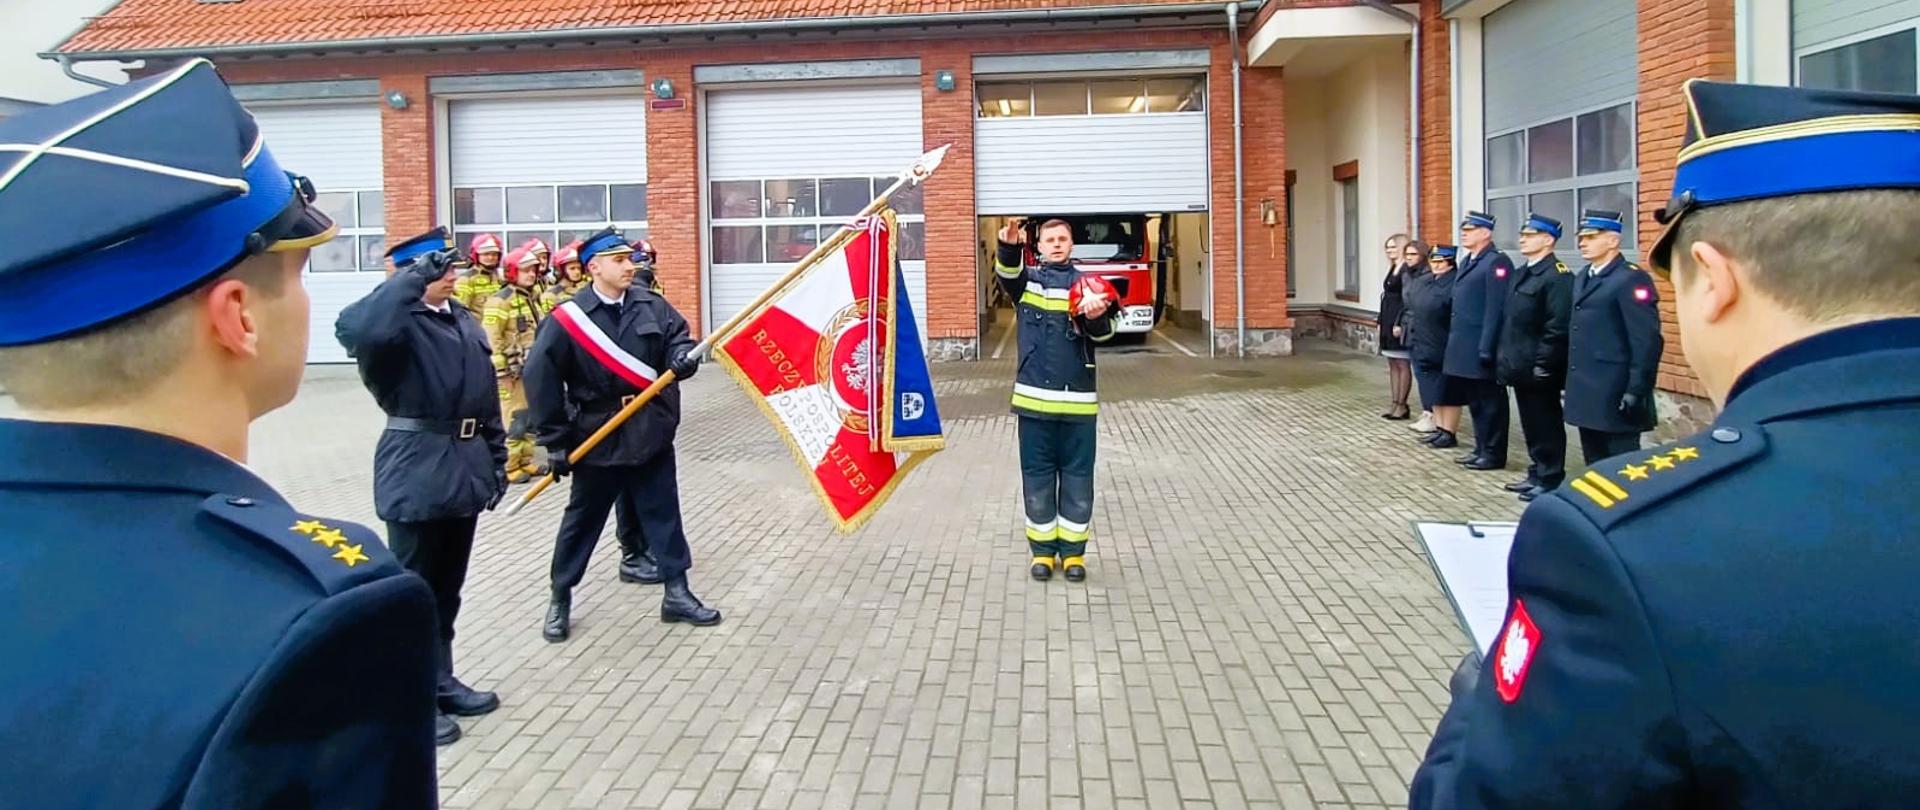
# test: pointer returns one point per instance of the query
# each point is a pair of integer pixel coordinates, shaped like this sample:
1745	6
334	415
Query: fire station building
1267	147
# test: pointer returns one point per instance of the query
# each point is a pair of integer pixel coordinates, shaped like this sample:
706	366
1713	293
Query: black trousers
626	529
1491	416
1599	444
652	490
1546	433
1056	472
438	551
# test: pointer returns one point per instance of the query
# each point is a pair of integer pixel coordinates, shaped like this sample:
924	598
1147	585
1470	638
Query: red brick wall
673	159
1679	40
1264	168
1436	125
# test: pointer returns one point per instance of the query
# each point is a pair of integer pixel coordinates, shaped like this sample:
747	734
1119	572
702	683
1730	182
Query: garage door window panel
1560	167
1176	95
583	204
738	244
1883	62
479	206
361	244
1119	97
1005	99
628	202
530	204
1060	98
791	199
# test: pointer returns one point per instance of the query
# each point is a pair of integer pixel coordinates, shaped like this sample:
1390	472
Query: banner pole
916	174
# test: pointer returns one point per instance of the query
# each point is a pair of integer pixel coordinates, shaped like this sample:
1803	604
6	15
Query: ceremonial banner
836	364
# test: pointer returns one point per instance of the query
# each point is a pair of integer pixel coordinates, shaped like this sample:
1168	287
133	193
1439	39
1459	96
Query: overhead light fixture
1139	104
1006	108
663	88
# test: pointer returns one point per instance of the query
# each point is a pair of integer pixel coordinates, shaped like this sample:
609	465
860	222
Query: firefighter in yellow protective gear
569	277
538	247
512	315
482	280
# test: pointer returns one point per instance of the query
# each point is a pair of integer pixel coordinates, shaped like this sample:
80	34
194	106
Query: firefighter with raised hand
600	350
512	315
1061	313
438	462
483	273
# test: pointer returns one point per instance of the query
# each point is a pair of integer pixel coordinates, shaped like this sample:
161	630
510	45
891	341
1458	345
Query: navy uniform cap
133	196
1540	223
605	241
1594	220
1751	142
430	242
1447	252
1477	219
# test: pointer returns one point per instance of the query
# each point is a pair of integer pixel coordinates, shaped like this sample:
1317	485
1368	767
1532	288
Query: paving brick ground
1259	628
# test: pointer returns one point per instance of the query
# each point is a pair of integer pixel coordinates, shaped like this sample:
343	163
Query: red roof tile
147	25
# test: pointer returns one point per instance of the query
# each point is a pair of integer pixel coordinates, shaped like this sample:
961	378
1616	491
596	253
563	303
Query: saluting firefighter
1060	313
511	317
1532	355
597	353
1615	343
1479	302
482	277
438	463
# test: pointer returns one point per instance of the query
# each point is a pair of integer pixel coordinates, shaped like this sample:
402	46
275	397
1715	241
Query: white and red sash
601	346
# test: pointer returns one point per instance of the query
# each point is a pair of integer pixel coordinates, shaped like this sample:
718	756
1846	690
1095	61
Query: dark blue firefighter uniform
1532	358
1613	349
439	462
174	634
1056	397
1726	621
1479	304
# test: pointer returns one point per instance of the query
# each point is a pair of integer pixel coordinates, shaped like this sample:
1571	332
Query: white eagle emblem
859	368
1514	652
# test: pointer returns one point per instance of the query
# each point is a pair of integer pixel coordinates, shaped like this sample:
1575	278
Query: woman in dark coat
1392	347
1429	312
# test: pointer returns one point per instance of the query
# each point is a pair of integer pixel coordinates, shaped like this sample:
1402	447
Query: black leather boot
559	616
457	698
638	567
680	605
445	731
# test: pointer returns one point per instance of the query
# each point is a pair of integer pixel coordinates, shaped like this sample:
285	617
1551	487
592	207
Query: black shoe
1401	414
445	731
680	605
1518	487
1075	569
1443	441
1467	459
640	568
559	616
461	700
1529	495
1042	569
1484	464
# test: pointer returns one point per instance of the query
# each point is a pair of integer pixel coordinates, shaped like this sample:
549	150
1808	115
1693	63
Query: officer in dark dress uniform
1479	306
1614	346
1532	356
175	633
572	393
424	358
1728	620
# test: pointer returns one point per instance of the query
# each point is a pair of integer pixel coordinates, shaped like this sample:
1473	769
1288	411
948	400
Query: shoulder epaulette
1617	488
335	554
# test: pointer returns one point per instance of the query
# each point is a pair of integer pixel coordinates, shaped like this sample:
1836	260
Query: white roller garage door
787	165
337	146
555	167
1091	145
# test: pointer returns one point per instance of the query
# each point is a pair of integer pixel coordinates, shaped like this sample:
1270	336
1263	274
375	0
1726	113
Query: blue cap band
1601	224
604	243
420	246
1541	224
1476	219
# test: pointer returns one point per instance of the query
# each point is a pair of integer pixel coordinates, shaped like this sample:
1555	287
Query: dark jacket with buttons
1613	348
1533	335
1479	303
1055	378
570	394
422	364
177	636
1429	316
1722	622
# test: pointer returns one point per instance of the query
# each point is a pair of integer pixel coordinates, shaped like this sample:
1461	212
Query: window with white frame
1100	96
1350	235
780	221
361	246
557	214
1885	60
1560	167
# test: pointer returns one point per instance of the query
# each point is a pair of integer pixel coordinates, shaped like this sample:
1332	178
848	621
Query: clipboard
1470	562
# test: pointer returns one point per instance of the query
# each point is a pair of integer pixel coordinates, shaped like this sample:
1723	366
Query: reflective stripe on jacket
1055	379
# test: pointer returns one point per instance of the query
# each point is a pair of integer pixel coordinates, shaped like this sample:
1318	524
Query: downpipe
1239	195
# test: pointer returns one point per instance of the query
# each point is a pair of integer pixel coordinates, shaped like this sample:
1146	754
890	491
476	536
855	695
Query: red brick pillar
1263	173
407	155
1679	40
673	186
1436	124
953	283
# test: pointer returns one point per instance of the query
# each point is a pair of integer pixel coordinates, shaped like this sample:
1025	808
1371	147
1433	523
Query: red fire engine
1122	249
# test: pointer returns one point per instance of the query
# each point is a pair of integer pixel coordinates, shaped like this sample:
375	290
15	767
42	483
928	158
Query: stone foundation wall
1260	342
942	350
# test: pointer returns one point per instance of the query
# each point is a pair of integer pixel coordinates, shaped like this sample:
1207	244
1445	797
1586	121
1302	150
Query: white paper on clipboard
1470	560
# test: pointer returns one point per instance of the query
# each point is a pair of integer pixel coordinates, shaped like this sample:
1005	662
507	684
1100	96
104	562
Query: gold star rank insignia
330	538
308	527
1684	454
1661	463
352	555
1634	472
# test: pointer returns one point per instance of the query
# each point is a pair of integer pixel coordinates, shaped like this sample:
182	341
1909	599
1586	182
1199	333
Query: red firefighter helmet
645	248
536	246
569	254
1090	289
521	260
483	243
